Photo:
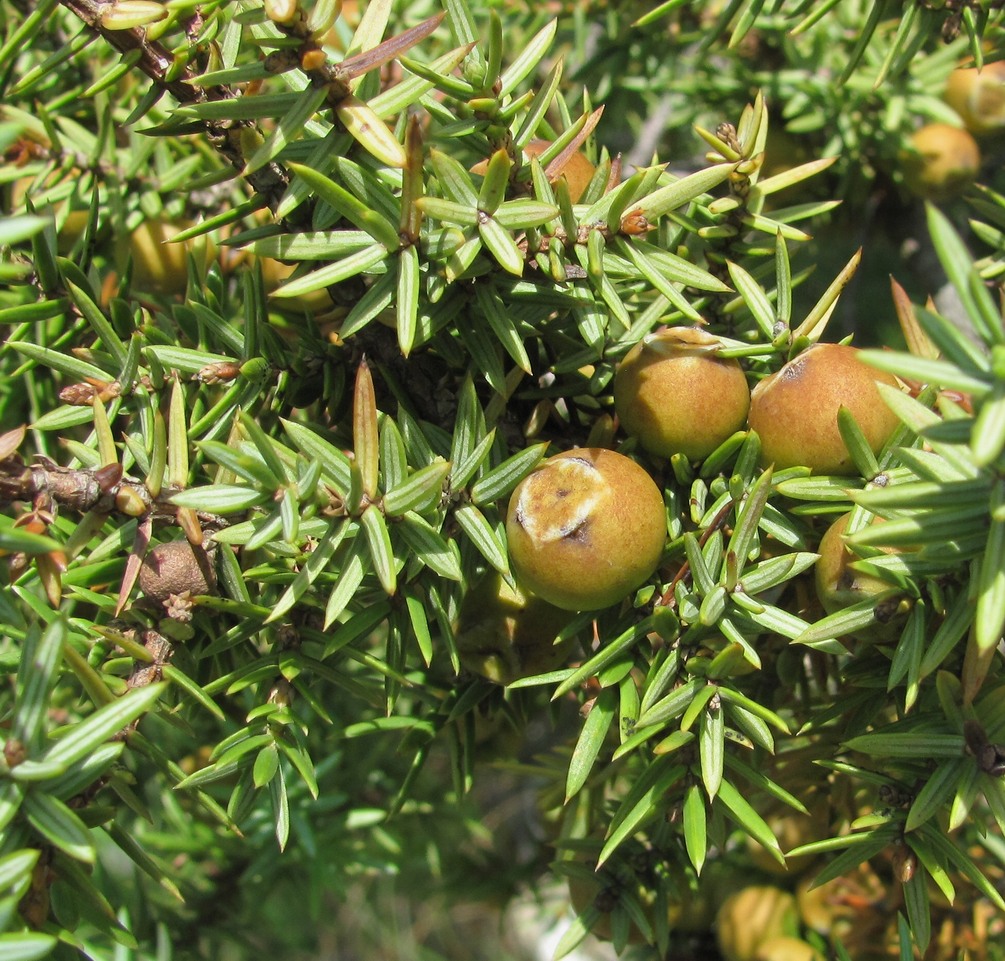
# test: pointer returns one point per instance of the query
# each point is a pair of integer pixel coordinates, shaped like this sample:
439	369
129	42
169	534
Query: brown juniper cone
175	568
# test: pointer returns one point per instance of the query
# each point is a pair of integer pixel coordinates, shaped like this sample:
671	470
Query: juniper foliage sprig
296	298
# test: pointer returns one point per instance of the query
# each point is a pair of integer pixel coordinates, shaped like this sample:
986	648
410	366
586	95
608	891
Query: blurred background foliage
278	502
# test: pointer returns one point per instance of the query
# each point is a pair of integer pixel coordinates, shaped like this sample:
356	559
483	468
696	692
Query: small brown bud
77	395
129	501
82	394
634	223
179	607
726	132
17	564
905	863
108	390
282	693
14	752
31	523
218	373
108	477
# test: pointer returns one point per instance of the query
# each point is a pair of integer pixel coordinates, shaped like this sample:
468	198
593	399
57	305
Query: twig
82	490
271	181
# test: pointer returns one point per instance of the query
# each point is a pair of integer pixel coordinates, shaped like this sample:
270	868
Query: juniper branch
101	489
156	62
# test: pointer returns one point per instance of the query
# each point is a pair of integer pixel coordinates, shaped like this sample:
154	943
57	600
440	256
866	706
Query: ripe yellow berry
941	161
838	585
577	170
676	395
786	948
753	916
795	411
160	264
585	529
978	96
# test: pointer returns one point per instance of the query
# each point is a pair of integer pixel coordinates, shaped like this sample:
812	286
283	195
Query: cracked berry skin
585	529
795	411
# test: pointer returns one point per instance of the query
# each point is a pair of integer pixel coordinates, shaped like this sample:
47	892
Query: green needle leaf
711	749
501	480
86	736
695	826
682	191
750	820
13	539
370	131
65	363
430	546
381	552
420	492
59	825
36	676
288	128
316	563
409	293
473	522
496	182
501	245
349	206
990	619
591	741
